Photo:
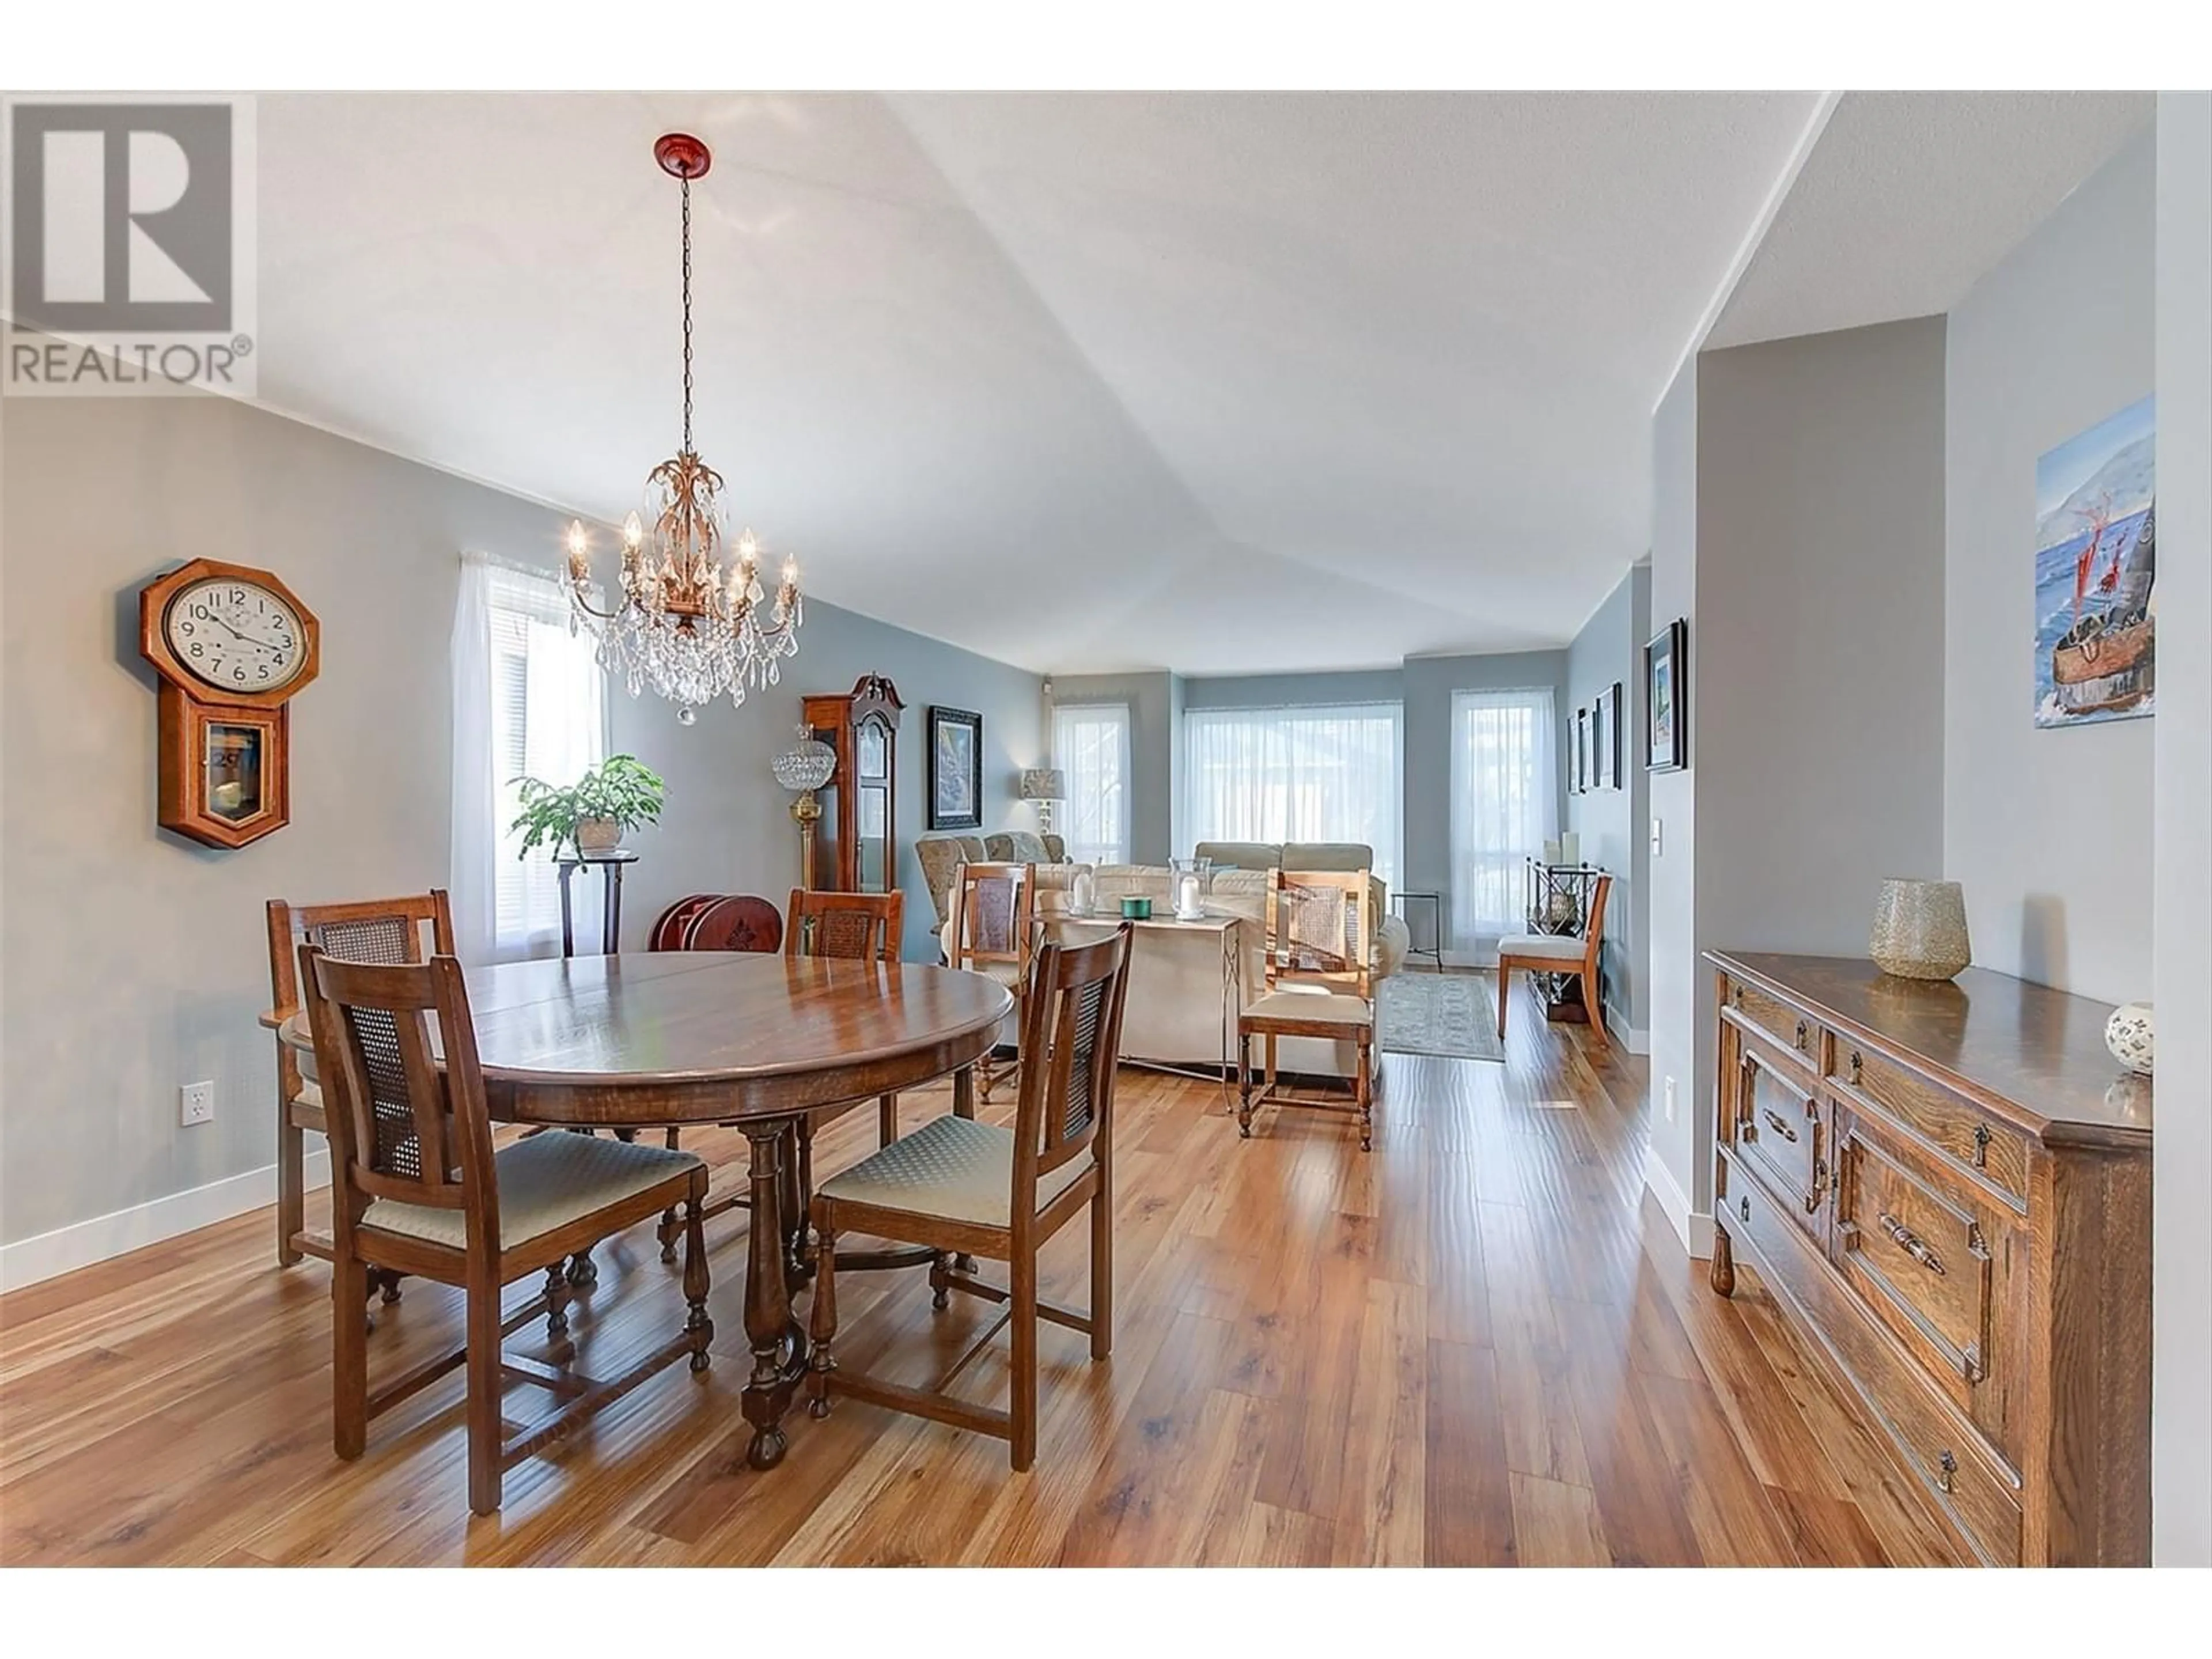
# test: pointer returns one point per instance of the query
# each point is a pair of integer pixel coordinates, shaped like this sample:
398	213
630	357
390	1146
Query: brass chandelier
683	622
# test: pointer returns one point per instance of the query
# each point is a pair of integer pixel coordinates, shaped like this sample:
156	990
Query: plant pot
597	835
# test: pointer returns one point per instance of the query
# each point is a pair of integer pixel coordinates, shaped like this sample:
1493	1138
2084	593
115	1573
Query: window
1504	806
530	699
1091	747
1279	775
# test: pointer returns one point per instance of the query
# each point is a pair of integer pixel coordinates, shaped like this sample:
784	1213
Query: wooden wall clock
232	646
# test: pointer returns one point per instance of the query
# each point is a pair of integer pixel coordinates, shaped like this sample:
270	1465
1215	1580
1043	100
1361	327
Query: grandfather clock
857	849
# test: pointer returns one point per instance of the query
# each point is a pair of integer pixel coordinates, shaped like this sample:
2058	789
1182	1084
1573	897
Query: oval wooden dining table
627	1042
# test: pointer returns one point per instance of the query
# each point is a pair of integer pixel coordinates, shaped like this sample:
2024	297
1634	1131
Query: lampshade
1044	783
805	765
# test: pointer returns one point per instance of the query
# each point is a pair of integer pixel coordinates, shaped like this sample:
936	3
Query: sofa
1174	1015
941	854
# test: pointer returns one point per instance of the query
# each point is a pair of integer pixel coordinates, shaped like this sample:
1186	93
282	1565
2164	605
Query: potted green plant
592	814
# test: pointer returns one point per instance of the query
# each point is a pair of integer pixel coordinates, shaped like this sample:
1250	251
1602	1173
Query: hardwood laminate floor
1480	1344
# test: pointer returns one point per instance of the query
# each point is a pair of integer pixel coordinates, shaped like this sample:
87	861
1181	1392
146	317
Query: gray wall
1155	703
2047	830
1292	691
1676	976
2181	1368
1612	822
133	961
1816	748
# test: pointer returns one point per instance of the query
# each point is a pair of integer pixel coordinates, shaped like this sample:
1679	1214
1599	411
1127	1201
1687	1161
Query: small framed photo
955	769
1583	782
1608	737
1667	699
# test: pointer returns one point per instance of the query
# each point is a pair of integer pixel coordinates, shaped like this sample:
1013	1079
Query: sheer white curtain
1091	747
1504	806
1319	774
529	699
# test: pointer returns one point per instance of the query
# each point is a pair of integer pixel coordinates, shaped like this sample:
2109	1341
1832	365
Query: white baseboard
28	1260
1695	1231
1633	1038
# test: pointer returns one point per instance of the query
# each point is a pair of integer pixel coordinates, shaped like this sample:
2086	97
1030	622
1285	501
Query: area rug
1446	1014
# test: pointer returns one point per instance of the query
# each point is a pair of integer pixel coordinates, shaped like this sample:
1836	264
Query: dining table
764	1044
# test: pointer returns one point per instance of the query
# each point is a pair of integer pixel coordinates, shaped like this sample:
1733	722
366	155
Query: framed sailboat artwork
2096	558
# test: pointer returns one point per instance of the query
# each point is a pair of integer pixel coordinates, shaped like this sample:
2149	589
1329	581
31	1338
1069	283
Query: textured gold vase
1920	929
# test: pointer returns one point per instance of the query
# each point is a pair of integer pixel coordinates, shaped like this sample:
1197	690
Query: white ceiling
1909	197
1216	383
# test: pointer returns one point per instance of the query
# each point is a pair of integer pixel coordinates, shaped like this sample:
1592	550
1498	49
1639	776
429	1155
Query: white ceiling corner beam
1755	233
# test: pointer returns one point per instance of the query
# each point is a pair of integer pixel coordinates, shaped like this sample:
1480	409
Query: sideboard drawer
1969	1138
1780	1131
1777	1021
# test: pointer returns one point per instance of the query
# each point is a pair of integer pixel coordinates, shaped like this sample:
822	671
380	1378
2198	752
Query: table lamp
1045	785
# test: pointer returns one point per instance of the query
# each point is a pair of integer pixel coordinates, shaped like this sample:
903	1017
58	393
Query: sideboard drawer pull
1802	1030
1949	1465
1780	1125
1910	1242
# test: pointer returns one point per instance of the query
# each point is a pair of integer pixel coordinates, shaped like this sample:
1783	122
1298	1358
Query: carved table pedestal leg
779	1346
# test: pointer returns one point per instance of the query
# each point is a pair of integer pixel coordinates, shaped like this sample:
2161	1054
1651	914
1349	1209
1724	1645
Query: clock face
236	636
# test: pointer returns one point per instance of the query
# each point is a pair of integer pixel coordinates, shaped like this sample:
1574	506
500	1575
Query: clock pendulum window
232	646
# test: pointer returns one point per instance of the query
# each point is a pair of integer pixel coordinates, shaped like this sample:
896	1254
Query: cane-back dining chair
964	1188
1321	928
852	927
389	931
417	1188
991	930
1569	955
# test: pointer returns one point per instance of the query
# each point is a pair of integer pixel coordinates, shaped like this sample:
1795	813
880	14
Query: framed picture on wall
1583	751
1667	699
955	769
1608	737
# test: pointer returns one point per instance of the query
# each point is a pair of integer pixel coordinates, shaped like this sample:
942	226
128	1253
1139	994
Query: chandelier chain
687	314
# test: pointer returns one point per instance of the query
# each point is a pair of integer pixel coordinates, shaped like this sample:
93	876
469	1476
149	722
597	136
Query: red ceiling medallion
681	156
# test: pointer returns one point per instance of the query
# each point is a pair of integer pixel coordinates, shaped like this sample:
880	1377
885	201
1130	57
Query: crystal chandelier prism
684	623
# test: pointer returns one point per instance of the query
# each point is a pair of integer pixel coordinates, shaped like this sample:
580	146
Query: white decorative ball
2127	1034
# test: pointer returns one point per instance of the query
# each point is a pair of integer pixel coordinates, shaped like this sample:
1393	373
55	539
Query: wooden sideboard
1946	1186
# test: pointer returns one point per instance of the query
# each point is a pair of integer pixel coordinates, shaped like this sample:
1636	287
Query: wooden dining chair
991	930
1321	929
389	931
1566	954
417	1188
978	1189
852	927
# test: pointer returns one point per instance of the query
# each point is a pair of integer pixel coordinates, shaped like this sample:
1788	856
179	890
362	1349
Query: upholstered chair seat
1555	947
545	1183
1311	1002
952	1167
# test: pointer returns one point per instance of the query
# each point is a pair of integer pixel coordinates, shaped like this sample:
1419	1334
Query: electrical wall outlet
1670	1100
196	1104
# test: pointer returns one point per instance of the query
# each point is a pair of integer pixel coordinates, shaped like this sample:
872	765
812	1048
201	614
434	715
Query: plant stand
610	865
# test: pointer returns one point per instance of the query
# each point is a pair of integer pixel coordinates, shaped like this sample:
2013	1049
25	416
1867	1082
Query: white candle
1571	848
1187	903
